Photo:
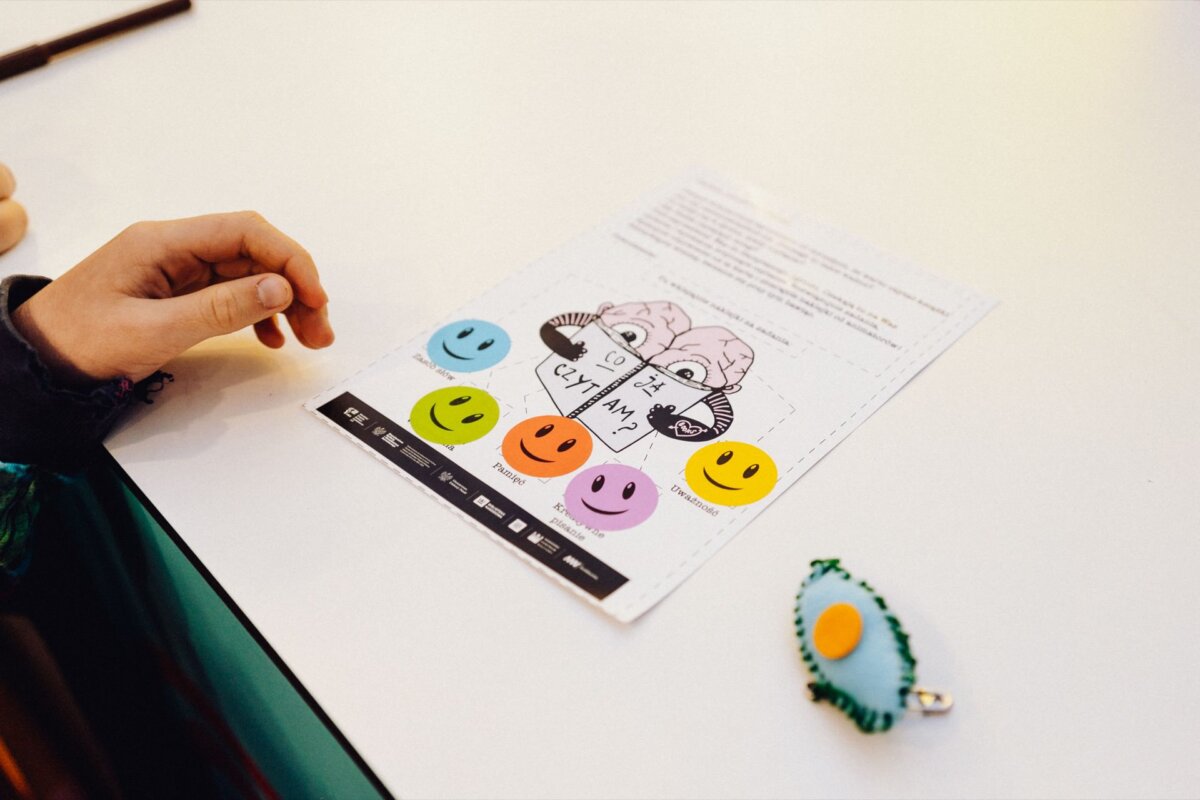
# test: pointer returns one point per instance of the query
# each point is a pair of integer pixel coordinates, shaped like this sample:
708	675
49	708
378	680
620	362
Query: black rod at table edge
39	55
237	612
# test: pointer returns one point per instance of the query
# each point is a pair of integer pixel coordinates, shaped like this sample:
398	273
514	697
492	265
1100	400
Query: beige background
1028	505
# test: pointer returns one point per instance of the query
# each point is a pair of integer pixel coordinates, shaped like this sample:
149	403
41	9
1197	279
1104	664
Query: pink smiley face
611	497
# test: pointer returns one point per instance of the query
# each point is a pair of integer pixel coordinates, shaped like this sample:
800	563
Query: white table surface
1029	505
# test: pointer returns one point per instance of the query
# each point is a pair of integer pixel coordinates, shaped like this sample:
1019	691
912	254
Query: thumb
225	307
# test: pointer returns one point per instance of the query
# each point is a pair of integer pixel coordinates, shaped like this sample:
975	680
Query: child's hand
160	287
12	216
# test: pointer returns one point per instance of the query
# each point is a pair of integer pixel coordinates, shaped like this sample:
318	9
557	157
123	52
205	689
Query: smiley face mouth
718	483
601	510
453	354
521	444
433	417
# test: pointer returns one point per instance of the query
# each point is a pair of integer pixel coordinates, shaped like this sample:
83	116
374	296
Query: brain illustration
712	356
649	327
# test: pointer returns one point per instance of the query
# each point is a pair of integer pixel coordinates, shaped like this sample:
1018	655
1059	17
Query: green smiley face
454	415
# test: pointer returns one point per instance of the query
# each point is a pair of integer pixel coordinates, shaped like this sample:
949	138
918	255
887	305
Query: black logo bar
473	497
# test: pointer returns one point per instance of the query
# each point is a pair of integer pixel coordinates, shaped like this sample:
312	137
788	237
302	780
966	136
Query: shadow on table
265	380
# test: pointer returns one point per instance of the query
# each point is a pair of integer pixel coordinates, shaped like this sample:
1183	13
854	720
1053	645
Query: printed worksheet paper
621	408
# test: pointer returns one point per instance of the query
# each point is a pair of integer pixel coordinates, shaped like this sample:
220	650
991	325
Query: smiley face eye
628	491
567	445
542	431
458	401
472	418
724	457
486	344
750	470
465	332
598	484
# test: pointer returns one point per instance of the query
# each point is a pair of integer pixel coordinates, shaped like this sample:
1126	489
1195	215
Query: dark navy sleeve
43	424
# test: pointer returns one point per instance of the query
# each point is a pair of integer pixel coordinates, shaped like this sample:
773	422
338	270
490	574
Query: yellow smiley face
731	473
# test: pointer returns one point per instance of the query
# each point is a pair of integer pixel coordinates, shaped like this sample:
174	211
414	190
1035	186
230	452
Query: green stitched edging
867	719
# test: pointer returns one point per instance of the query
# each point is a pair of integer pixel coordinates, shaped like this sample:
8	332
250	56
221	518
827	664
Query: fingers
8	182
12	223
12	216
224	308
239	268
221	238
238	247
310	325
268	332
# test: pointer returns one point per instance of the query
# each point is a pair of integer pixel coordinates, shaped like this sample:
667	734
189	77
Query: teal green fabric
19	500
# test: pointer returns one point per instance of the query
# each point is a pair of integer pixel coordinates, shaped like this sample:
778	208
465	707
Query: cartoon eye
724	457
465	332
689	370
629	490
634	335
750	470
567	445
598	484
486	344
472	418
458	401
542	431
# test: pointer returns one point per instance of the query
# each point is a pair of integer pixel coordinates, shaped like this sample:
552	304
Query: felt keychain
857	651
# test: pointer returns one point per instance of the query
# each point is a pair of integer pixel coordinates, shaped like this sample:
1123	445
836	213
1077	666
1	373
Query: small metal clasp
928	701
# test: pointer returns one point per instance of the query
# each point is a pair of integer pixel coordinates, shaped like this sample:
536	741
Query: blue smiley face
469	345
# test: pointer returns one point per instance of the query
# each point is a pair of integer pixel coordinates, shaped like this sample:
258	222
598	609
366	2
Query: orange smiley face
546	447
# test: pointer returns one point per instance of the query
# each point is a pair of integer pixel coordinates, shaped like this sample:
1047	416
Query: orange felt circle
838	631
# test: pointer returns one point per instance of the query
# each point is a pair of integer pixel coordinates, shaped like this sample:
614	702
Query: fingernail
272	291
